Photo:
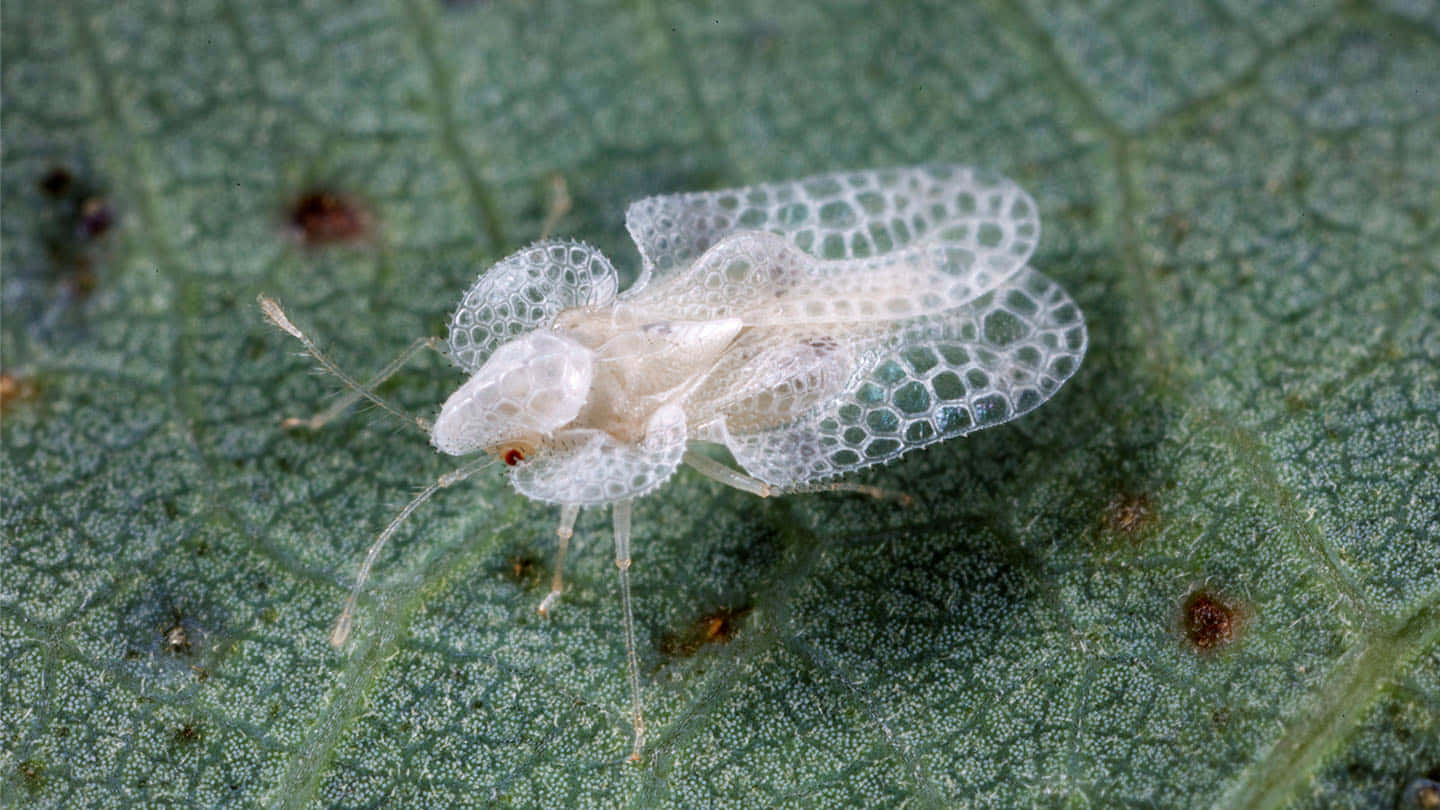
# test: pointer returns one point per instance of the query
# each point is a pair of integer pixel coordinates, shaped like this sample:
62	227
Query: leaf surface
1206	574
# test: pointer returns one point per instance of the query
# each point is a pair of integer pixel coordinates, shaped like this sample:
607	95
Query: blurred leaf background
1207	574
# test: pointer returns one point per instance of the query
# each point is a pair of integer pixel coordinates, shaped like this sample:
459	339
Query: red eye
513	456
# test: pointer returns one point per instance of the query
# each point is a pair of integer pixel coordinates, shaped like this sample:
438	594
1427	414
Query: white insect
812	328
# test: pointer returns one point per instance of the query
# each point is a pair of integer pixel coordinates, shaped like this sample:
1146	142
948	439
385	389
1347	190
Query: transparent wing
588	467
525	291
849	215
927	380
763	280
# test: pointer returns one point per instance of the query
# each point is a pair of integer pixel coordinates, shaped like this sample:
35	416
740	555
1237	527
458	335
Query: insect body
812	328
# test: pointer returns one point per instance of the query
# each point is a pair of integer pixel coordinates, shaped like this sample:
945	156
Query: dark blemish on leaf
1419	217
522	569
174	637
269	615
188	733
255	348
171	510
1220	717
323	217
61	732
1178	226
1081	212
76	217
1298	181
1130	513
1209	620
32	774
133	655
1421	794
716	627
56	181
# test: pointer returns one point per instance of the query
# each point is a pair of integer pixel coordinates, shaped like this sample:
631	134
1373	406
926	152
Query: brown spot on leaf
1177	226
96	217
716	627
1130	513
15	389
1081	212
32	774
1209	620
522	569
324	217
187	733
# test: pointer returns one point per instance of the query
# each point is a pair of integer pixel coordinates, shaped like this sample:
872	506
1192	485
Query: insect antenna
344	622
277	316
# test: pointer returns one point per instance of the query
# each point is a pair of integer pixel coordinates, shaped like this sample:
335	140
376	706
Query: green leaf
1206	574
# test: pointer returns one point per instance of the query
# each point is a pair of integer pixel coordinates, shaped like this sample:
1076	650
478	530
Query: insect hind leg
878	493
716	471
277	316
564	531
622	561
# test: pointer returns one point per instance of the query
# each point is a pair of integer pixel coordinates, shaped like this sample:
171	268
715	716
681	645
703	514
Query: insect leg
568	513
277	316
341	632
714	470
622	561
878	493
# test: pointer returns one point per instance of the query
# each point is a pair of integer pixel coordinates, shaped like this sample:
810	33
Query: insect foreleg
277	316
622	561
343	623
565	531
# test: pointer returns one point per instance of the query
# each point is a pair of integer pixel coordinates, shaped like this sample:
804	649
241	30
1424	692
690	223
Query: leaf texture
1208	575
